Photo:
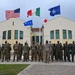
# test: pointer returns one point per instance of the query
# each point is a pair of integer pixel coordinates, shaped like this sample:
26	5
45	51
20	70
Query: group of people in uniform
39	52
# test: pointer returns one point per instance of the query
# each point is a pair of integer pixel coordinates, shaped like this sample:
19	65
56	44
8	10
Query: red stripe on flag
29	13
11	14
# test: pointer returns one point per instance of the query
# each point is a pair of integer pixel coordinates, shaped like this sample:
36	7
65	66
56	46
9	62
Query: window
57	34
64	34
41	39
69	34
4	34
21	34
33	38
16	34
37	39
9	34
52	34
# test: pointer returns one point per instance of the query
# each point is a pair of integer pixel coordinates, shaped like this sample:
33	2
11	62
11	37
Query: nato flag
55	10
28	23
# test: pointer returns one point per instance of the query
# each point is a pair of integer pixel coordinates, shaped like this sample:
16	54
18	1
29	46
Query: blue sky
67	9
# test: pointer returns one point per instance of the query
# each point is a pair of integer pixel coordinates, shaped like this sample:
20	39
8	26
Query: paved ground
41	68
55	68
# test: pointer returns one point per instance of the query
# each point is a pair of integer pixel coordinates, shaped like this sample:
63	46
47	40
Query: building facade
13	30
57	29
36	35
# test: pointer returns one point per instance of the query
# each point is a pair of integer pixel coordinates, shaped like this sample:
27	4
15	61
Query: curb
23	71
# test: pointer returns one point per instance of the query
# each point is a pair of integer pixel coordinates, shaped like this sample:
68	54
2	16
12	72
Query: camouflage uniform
47	52
66	52
20	51
73	51
33	52
25	52
51	51
5	52
9	51
58	51
40	52
0	51
54	52
28	49
16	51
37	52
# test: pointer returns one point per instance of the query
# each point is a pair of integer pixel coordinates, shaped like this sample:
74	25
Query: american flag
12	13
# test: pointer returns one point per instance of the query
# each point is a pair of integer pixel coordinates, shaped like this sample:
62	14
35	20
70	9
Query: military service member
25	52
0	51
33	52
28	50
66	52
20	51
16	51
47	52
58	51
51	51
37	52
5	54
54	52
40	52
73	51
9	51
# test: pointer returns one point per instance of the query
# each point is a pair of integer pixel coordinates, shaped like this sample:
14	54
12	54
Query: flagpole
60	32
39	35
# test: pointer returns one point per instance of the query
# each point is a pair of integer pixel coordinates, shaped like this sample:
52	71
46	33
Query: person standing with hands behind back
47	52
16	51
73	51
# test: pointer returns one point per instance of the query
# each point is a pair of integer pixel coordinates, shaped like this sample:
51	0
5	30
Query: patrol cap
5	41
46	41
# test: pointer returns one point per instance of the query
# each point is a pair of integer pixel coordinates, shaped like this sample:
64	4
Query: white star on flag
53	11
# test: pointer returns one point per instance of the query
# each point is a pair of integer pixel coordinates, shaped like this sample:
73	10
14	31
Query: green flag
37	13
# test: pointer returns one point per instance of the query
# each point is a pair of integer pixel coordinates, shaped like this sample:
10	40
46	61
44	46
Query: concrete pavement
52	68
41	68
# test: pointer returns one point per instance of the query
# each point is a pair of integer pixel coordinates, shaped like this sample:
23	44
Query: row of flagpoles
16	14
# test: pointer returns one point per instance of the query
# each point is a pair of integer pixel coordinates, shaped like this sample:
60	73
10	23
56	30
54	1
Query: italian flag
37	12
31	12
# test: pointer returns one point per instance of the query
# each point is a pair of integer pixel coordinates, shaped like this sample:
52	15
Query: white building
36	35
13	30
59	29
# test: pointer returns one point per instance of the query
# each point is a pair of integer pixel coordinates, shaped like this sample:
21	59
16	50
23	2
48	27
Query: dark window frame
21	35
37	39
16	34
9	34
69	35
52	35
4	34
64	35
57	35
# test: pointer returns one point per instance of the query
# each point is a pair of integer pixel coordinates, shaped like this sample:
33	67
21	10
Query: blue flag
28	23
55	10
